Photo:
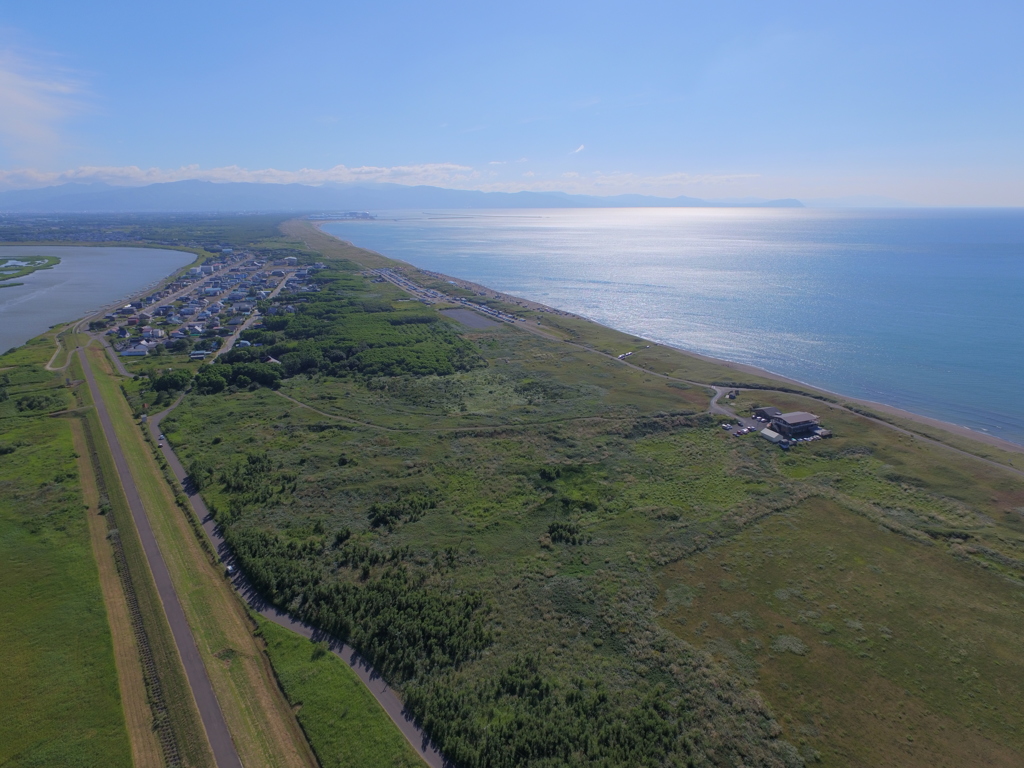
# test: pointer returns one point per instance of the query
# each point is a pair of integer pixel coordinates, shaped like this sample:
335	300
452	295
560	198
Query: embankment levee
799	387
214	723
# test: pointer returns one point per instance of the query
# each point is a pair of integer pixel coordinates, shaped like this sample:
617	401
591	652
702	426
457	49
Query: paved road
229	341
381	691
209	710
115	358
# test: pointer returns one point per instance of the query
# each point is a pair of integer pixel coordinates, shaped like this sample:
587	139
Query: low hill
205	196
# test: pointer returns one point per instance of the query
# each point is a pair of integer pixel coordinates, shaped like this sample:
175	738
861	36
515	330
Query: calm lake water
85	280
920	309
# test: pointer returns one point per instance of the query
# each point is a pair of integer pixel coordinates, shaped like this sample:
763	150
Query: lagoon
919	309
85	280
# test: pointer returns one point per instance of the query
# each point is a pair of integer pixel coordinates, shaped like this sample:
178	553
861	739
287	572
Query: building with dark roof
796	424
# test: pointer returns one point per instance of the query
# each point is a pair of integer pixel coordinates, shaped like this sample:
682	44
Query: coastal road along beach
202	691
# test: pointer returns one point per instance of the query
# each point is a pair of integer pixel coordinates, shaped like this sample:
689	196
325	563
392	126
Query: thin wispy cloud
34	101
578	149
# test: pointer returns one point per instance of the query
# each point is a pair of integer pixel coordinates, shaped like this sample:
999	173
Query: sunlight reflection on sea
920	309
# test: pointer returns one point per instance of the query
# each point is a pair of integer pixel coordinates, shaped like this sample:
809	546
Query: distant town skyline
915	102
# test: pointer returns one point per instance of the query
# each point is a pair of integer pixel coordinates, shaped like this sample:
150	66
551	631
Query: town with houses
205	309
207	306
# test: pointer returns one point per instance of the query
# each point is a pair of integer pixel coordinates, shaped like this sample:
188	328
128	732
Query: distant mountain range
206	196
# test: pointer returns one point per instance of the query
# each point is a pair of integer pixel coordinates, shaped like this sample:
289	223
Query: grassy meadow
343	722
850	630
59	689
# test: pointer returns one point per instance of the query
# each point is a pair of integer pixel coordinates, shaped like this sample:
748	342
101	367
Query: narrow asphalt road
209	709
229	341
381	691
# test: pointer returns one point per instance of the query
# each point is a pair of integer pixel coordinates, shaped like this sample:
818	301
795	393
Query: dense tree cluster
39	402
408	508
211	379
566	533
172	380
405	626
522	717
339	332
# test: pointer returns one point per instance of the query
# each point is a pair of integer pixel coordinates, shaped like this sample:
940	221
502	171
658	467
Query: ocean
921	309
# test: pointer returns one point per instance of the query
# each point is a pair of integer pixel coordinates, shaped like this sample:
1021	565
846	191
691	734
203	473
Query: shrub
172	380
790	644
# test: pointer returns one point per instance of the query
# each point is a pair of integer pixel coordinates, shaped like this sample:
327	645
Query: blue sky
912	100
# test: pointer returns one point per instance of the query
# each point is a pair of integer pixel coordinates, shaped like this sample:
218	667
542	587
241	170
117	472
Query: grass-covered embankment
344	724
59	687
261	725
173	714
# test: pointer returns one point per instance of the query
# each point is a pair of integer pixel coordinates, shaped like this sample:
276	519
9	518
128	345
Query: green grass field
59	692
344	724
848	630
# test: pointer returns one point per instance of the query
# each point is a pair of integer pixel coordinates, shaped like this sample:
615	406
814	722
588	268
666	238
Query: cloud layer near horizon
435	174
132	175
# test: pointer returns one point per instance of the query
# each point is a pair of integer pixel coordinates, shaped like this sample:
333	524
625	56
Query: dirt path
381	691
60	348
722	410
472	428
715	408
202	691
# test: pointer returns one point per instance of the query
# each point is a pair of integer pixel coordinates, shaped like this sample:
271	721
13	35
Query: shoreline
97	310
888	410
